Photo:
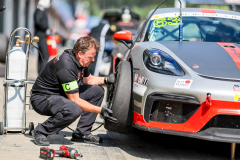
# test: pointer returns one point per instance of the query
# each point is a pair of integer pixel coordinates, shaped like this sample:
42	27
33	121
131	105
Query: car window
210	29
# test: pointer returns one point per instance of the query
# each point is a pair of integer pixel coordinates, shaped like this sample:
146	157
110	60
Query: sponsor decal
183	83
140	79
236	89
237	97
139	88
195	66
233	51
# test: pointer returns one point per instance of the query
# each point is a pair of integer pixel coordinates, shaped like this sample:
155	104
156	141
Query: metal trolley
17	85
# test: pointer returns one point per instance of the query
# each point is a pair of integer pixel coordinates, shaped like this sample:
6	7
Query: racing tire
31	128
111	71
1	128
121	101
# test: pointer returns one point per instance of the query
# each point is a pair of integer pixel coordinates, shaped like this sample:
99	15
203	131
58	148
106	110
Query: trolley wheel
31	128
1	128
23	131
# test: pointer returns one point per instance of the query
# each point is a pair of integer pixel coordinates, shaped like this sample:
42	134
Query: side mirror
123	36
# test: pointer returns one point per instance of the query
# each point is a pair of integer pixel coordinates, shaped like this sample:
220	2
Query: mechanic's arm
84	105
95	80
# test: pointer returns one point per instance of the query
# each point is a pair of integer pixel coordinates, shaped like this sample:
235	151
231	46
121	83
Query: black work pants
63	111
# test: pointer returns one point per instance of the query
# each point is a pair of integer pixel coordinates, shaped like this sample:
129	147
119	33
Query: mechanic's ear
79	54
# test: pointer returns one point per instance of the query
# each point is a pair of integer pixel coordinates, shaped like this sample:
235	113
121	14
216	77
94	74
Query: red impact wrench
49	154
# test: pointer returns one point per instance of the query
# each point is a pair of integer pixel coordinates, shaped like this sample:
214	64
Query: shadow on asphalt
168	146
141	144
55	138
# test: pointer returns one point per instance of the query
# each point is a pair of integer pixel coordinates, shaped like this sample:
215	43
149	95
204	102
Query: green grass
143	12
222	7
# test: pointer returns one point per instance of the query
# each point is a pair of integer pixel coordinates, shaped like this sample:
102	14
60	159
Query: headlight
158	61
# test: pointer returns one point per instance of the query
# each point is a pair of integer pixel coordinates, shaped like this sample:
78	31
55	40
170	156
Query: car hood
213	59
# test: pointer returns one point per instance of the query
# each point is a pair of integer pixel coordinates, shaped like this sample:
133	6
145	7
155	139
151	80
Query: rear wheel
120	101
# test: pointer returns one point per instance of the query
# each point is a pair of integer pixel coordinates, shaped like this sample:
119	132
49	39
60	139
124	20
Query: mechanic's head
85	49
44	3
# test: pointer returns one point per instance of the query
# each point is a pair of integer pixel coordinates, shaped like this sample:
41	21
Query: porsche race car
179	80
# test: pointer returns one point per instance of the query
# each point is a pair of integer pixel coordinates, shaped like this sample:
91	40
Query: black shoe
33	133
41	140
86	138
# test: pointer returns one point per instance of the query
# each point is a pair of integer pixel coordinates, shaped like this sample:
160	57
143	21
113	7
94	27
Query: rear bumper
210	134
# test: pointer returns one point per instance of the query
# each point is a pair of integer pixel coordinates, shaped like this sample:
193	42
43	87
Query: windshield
205	29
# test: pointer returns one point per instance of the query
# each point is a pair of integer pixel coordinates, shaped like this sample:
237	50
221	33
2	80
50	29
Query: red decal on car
233	51
187	81
114	63
195	66
137	79
207	10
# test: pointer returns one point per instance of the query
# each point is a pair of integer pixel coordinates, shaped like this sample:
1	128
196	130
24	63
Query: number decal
175	20
159	22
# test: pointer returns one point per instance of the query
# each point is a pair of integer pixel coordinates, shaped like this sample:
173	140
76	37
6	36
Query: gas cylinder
17	63
15	93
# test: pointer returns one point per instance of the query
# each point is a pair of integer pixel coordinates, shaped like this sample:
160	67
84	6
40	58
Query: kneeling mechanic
58	92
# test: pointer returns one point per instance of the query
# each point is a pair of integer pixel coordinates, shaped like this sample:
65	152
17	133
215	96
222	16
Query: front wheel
121	100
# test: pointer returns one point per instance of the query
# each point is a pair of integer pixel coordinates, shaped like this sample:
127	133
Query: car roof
196	10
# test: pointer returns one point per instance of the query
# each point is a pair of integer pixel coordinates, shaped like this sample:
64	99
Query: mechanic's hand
110	79
105	113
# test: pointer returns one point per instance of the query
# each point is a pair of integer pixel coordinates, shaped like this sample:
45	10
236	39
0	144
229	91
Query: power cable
91	130
39	53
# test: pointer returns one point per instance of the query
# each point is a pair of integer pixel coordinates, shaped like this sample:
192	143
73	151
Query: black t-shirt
62	74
